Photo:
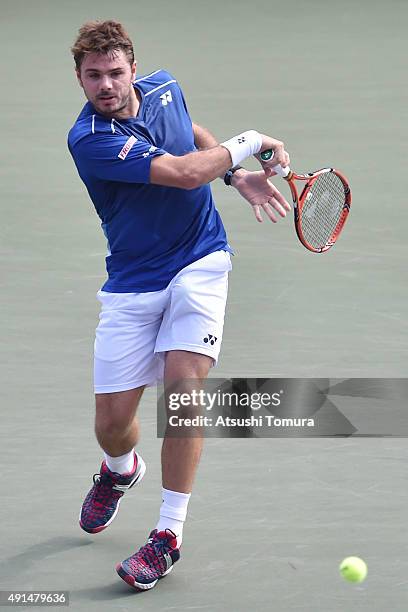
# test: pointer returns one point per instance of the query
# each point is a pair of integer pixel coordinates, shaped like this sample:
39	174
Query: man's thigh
184	365
124	356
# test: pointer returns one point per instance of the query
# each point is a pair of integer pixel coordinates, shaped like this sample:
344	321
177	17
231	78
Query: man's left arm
254	187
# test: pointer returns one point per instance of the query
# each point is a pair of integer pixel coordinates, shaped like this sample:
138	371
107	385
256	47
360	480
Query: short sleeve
115	157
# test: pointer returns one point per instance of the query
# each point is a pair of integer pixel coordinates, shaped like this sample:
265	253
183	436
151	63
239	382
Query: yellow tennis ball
353	569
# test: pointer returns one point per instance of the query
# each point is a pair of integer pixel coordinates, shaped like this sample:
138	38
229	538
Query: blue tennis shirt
152	231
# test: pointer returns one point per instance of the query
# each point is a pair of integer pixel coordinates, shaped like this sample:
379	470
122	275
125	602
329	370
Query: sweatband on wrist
242	146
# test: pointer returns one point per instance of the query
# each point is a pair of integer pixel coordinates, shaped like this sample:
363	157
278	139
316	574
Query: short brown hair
101	37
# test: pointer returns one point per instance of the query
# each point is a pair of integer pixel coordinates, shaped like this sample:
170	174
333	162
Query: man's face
106	81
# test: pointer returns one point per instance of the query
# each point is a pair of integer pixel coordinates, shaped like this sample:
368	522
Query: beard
112	109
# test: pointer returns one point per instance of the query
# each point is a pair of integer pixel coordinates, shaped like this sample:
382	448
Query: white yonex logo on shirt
166	98
127	146
152	149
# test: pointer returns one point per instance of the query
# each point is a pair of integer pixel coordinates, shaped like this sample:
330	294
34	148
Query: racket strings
322	209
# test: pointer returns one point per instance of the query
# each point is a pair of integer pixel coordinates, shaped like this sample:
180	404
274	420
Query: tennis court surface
269	519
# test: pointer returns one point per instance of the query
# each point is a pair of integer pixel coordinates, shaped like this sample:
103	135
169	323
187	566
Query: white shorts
136	329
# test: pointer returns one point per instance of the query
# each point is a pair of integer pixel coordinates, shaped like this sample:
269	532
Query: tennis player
147	169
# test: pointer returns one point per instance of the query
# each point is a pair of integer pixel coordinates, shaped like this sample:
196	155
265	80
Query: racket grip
267	156
283	172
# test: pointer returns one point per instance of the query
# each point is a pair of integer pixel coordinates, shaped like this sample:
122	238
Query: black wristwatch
229	174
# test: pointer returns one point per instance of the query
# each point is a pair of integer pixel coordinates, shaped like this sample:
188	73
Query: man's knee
115	412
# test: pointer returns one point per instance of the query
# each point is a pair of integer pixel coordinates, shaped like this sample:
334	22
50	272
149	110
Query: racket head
322	208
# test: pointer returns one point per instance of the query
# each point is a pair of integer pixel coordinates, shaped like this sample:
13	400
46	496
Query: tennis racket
323	206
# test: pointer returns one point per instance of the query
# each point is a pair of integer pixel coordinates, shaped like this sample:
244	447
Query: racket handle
267	156
283	172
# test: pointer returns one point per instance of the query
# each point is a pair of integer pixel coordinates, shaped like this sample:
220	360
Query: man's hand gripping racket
321	209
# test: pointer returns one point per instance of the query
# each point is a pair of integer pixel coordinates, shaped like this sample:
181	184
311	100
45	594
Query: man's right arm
191	170
200	167
117	158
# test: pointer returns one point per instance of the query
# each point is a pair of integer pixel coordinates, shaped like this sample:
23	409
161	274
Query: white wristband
242	146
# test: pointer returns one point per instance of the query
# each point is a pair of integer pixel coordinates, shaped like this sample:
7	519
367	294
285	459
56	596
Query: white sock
121	465
173	512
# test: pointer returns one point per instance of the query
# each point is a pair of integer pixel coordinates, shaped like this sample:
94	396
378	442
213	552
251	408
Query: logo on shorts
126	147
210	339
